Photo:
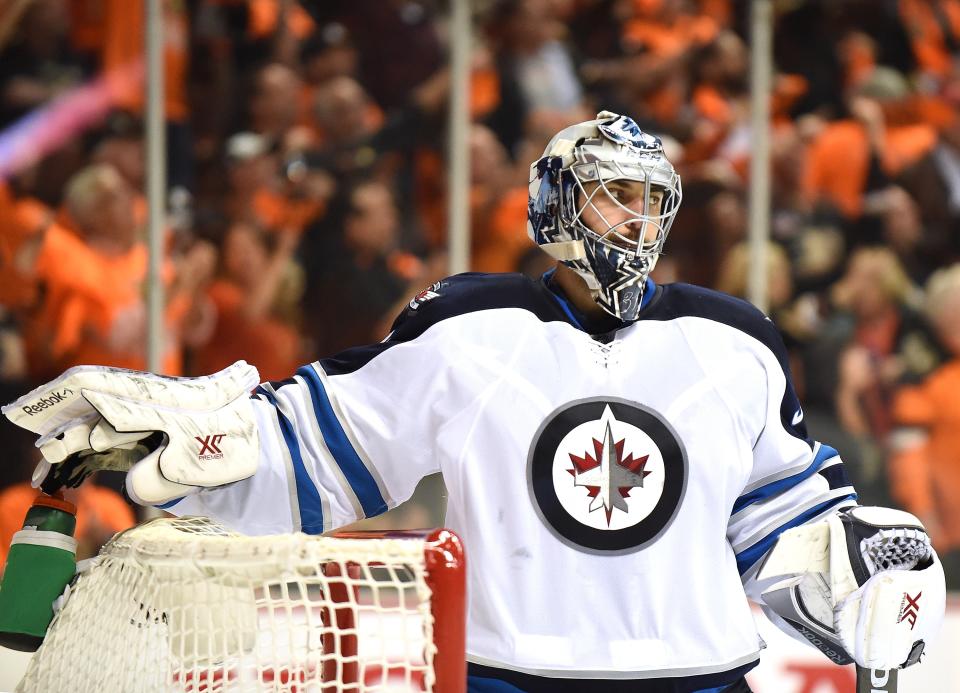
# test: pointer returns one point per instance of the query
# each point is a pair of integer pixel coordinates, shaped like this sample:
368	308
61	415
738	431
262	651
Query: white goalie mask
602	199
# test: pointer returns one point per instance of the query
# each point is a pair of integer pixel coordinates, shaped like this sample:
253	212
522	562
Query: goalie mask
602	199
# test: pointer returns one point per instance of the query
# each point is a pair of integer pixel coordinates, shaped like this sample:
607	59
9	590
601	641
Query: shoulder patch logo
426	295
606	475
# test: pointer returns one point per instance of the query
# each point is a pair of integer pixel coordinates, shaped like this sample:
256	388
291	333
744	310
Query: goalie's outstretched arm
342	439
292	456
295	455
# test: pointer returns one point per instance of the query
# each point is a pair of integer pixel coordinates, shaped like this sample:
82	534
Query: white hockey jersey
613	494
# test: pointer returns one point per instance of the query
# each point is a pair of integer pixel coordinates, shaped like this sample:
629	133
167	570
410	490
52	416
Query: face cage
607	172
616	267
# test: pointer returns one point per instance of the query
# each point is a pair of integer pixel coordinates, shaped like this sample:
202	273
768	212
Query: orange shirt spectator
926	21
123	46
501	242
97	314
665	36
258	195
247	325
21	222
275	211
669	38
498	206
264	19
925	478
93	309
838	160
271	345
101	513
925	469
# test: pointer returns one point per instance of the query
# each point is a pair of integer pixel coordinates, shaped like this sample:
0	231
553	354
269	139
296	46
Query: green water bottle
41	561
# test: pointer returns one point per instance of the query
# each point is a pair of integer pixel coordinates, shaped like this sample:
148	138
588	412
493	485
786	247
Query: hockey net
186	605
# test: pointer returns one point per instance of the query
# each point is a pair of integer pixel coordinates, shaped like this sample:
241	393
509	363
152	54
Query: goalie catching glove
173	436
862	586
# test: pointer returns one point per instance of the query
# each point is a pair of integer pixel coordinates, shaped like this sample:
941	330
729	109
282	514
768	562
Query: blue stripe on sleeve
308	498
781	485
752	554
354	470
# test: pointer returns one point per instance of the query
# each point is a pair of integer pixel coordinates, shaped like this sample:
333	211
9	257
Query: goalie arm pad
862	586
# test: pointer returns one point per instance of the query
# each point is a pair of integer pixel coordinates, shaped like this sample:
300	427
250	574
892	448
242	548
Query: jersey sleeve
793	480
349	437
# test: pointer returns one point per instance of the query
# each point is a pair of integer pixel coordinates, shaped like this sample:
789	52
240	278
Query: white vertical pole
155	144
458	149
156	179
761	68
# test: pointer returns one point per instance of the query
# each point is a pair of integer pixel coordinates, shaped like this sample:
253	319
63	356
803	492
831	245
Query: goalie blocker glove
173	436
862	586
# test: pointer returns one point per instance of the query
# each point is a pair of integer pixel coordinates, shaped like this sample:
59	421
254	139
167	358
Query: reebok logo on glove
210	446
46	402
909	609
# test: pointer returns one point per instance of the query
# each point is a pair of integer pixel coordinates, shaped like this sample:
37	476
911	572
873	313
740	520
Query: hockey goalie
627	462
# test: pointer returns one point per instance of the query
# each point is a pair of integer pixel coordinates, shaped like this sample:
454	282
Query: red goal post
186	605
445	566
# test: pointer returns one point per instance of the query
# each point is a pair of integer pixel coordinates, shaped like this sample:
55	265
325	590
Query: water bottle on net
41	562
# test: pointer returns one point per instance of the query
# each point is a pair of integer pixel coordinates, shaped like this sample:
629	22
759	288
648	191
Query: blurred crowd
306	197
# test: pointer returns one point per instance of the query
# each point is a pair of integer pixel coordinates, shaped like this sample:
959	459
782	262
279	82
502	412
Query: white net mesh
185	605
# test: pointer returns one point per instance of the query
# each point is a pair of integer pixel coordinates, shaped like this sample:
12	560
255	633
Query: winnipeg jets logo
609	476
606	475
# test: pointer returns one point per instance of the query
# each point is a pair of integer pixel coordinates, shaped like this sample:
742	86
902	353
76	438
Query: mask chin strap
565	250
